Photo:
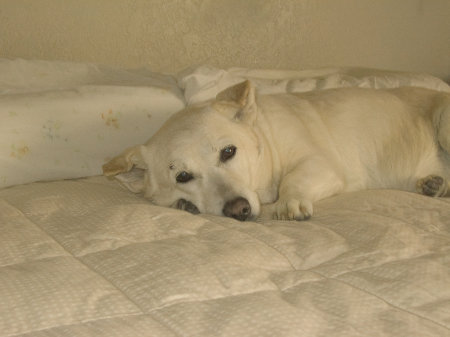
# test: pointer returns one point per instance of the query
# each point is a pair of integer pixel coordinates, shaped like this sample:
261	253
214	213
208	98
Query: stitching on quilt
81	262
259	240
387	302
75	323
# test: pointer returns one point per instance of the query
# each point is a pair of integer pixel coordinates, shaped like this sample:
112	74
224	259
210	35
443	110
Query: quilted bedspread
88	258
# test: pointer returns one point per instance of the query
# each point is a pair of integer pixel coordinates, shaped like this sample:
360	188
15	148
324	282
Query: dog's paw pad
292	209
433	186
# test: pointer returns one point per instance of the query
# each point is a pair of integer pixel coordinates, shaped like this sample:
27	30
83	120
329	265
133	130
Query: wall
168	35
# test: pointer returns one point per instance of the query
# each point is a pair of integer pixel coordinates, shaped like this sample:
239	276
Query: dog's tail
442	122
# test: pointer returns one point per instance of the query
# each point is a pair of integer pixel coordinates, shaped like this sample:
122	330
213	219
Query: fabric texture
88	258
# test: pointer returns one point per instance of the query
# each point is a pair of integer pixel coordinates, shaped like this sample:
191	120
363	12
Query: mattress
82	256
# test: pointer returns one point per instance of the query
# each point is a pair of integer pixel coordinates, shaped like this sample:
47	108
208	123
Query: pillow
63	120
205	82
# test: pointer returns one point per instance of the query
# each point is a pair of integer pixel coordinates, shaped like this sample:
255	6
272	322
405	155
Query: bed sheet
88	258
204	82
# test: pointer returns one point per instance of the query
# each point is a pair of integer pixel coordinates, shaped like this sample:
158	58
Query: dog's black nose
238	209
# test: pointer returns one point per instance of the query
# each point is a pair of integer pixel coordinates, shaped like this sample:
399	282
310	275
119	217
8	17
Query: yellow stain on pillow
111	119
19	152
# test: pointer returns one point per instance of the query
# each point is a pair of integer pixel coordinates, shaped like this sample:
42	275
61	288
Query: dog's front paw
433	186
292	209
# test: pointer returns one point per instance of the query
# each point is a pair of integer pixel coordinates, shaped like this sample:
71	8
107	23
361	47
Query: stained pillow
61	120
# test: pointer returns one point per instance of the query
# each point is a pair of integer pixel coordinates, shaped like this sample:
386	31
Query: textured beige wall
168	35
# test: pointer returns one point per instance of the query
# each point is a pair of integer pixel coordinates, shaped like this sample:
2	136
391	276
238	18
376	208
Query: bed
82	256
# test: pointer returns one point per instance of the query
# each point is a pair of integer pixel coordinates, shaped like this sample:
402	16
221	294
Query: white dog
231	155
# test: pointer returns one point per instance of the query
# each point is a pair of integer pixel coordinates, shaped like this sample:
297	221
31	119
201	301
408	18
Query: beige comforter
87	258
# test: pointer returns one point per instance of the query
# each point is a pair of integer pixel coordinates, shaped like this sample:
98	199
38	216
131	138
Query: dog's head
205	159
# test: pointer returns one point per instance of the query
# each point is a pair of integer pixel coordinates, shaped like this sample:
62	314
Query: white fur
293	150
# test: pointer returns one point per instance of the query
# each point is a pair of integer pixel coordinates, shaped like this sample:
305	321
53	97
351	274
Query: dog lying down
231	155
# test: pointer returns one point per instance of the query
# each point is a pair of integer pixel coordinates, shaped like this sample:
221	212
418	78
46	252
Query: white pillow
61	120
205	82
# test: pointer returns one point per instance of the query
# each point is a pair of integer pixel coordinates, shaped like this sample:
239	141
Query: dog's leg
433	186
311	180
437	185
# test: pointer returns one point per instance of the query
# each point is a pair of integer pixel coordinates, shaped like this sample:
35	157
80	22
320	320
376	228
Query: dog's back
373	138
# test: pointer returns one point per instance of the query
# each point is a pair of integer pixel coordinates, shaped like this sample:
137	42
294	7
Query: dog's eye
227	153
184	177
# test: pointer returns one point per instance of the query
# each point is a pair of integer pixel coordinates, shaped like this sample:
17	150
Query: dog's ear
243	94
129	168
237	93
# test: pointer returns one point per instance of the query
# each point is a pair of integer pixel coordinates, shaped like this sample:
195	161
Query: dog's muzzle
238	209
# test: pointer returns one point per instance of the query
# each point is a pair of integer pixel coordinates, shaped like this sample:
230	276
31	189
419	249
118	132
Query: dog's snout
238	208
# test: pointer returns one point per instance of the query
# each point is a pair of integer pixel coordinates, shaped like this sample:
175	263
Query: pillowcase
63	120
205	82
